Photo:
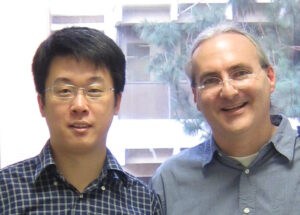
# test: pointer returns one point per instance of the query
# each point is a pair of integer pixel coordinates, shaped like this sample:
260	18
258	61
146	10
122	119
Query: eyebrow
239	66
90	80
96	79
62	80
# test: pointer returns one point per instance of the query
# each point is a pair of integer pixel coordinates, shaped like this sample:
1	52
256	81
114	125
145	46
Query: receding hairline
203	38
221	29
215	32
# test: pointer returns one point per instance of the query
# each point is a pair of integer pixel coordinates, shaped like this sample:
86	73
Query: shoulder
194	157
178	171
130	182
138	193
139	186
189	162
14	180
18	172
141	195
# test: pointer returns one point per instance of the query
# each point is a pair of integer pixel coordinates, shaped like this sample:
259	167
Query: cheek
263	97
261	91
55	114
102	111
205	103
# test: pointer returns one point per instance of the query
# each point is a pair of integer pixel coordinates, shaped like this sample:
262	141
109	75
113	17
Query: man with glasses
79	75
251	162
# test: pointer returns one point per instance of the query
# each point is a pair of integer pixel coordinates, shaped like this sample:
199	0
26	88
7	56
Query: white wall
24	24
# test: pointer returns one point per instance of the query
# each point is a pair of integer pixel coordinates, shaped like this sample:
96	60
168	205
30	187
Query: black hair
82	43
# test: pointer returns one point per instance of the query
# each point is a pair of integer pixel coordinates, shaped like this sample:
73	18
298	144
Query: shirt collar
207	149
113	169
45	160
285	137
111	166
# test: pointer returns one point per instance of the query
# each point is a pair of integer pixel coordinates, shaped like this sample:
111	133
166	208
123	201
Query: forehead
225	50
76	71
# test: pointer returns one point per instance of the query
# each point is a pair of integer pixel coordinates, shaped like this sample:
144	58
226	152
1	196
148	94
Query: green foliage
173	41
280	38
241	8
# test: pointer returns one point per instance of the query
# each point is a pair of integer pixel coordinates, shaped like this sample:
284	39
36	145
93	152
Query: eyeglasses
69	92
238	79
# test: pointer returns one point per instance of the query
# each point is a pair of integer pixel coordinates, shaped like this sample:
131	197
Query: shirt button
246	210
81	196
247	171
55	183
102	188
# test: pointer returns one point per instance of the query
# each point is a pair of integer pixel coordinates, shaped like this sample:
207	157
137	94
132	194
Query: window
137	56
146	131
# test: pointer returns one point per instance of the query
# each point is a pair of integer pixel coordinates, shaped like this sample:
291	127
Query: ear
272	78
195	94
195	97
118	103
41	105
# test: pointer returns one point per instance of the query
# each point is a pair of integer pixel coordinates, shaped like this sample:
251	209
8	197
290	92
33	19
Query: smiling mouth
80	126
235	107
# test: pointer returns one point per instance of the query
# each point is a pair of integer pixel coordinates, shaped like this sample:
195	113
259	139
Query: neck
80	170
245	143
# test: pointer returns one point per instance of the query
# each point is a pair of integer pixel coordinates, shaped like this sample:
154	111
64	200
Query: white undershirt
246	160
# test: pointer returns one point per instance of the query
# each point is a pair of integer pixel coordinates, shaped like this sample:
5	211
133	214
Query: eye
63	90
241	74
95	90
210	82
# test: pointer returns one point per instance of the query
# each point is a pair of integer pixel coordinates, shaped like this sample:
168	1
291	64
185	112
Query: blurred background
158	117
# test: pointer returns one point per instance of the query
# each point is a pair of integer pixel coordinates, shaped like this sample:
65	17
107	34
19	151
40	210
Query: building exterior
146	131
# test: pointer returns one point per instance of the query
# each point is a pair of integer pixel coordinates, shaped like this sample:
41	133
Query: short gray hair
222	29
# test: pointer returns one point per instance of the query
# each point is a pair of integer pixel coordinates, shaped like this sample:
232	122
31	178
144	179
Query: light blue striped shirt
200	180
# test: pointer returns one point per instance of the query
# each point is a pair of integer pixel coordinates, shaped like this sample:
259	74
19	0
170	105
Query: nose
79	103
228	90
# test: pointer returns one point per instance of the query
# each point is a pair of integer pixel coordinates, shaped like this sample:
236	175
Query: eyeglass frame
221	83
76	89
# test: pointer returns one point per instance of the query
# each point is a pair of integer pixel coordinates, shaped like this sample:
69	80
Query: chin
80	143
237	128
